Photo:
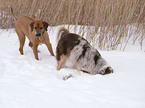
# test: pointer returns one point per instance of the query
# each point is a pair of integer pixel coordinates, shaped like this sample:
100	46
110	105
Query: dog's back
24	20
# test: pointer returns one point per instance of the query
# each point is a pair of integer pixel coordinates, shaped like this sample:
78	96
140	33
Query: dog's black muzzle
38	34
108	70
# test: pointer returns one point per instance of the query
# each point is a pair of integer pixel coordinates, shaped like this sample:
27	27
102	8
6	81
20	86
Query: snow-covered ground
28	83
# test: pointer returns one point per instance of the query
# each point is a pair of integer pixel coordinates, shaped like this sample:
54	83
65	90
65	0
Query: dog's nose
108	70
38	33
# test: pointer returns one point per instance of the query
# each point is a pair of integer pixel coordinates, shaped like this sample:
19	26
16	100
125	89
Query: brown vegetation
109	18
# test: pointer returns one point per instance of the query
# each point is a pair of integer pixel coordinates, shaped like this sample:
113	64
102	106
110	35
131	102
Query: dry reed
104	21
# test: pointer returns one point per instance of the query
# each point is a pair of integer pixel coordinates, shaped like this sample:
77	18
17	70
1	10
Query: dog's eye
40	27
35	27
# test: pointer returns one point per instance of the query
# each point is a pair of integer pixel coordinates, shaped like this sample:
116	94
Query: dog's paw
21	51
58	68
37	58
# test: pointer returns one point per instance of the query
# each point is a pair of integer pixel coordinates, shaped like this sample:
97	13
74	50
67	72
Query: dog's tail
61	33
13	15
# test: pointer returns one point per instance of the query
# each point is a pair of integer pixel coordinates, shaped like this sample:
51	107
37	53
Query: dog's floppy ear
45	24
32	26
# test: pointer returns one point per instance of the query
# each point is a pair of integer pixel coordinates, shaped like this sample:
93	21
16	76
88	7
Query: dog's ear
45	25
32	26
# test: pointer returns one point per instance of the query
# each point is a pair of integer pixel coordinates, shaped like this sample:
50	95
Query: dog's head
39	27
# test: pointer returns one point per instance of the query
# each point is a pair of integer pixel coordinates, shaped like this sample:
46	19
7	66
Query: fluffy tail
61	32
13	15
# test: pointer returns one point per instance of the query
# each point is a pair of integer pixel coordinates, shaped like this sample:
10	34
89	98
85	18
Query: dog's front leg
35	46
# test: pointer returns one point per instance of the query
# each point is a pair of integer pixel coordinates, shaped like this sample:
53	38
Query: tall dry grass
106	22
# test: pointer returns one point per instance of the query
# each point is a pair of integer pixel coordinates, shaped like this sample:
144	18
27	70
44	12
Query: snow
28	83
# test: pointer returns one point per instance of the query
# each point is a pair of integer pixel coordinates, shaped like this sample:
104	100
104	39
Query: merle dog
80	53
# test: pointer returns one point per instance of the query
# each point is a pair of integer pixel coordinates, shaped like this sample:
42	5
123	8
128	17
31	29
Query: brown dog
36	31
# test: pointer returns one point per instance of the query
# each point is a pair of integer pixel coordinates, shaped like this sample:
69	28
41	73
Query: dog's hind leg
21	37
61	62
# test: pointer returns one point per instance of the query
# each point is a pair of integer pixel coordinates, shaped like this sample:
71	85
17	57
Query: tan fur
23	28
61	62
